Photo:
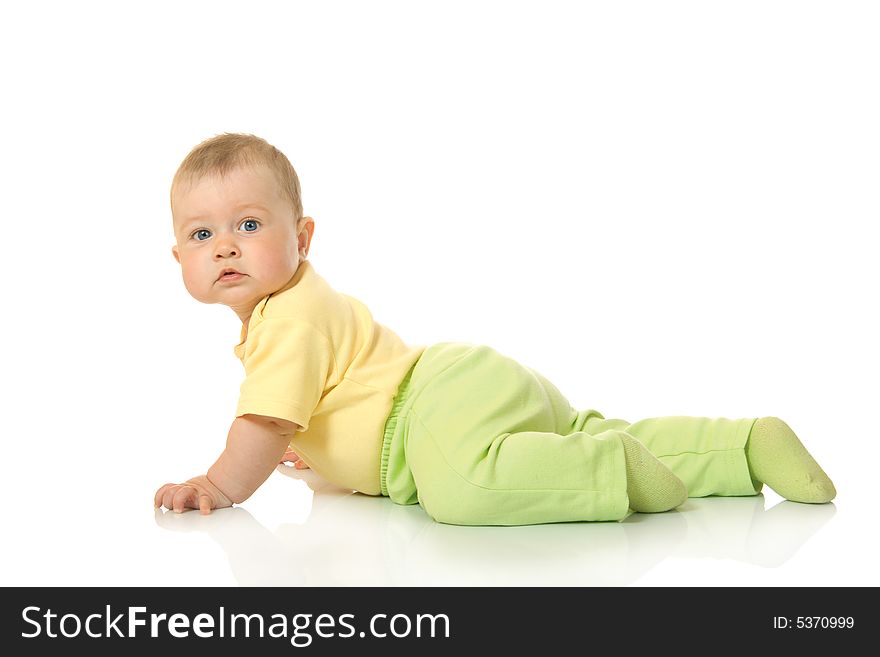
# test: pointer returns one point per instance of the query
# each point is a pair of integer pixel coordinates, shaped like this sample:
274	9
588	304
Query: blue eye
201	231
251	225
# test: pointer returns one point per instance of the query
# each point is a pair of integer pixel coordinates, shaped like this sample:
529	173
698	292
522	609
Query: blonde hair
226	152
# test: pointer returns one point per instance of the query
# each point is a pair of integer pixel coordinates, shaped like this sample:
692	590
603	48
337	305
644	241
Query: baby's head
235	205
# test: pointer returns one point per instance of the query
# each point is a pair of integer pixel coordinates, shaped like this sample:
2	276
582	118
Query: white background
666	208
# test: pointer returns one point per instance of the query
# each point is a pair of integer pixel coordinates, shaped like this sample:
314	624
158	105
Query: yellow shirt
316	357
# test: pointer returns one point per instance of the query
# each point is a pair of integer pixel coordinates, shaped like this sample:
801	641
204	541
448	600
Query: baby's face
238	223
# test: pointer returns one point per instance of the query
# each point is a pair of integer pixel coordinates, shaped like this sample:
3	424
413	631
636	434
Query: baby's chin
240	300
242	294
228	297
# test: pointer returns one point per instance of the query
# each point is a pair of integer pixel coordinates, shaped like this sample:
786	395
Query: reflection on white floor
356	540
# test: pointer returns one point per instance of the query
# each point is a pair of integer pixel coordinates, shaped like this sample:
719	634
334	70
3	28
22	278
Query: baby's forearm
253	449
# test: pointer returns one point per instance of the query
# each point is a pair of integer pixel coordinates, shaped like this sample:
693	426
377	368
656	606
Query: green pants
477	438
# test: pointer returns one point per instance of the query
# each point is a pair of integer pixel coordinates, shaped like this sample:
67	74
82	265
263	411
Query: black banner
430	620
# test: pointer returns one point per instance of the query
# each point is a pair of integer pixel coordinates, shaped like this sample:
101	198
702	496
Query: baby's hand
292	457
196	493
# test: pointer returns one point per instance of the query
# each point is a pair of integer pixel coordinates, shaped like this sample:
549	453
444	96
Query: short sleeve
288	364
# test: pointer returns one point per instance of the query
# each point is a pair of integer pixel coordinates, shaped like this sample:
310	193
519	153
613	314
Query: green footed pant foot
777	458
650	485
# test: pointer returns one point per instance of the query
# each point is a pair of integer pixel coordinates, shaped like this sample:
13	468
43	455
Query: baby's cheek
275	270
195	284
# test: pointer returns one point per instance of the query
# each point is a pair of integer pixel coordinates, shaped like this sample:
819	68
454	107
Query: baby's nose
225	248
225	252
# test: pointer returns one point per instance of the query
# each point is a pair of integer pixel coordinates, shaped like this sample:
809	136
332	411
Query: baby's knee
462	504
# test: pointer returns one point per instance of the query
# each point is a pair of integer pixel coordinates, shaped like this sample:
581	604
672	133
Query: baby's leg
717	456
491	442
521	478
707	454
777	458
650	485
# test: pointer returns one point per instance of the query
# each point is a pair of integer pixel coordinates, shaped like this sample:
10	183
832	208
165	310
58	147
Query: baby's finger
205	504
160	494
183	495
168	497
289	455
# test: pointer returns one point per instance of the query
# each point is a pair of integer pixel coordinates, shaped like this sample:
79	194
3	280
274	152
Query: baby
471	435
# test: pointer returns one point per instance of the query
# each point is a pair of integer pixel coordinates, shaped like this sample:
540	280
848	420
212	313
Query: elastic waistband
391	425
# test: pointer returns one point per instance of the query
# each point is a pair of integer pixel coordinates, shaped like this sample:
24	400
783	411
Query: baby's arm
253	448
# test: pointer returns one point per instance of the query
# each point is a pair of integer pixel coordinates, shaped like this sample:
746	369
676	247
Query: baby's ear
175	253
